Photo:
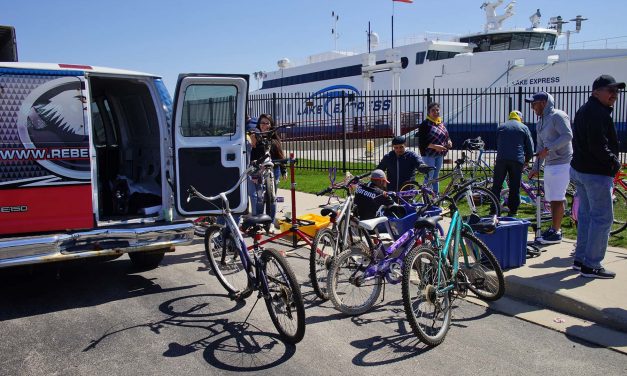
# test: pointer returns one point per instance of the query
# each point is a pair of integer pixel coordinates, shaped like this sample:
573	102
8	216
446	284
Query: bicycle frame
454	232
258	279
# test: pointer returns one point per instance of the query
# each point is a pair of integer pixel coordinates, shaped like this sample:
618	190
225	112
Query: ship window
404	62
420	57
434	55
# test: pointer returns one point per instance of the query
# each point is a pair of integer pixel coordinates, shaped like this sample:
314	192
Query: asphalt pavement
581	305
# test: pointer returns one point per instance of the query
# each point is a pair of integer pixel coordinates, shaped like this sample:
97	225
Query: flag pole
392	23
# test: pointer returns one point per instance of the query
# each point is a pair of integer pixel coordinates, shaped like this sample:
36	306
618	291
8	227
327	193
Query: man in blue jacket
401	164
595	162
514	148
555	150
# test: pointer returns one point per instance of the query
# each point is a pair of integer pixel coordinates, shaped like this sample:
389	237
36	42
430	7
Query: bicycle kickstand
253	307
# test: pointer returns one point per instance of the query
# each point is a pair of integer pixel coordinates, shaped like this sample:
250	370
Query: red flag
405	1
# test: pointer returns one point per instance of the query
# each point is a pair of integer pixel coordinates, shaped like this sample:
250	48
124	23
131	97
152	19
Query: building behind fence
353	131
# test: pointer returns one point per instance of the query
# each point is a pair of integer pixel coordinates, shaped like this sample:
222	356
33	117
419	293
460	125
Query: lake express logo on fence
332	101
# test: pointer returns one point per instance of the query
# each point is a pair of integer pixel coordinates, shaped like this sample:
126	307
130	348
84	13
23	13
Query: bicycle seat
486	225
330	211
427	222
249	221
370	224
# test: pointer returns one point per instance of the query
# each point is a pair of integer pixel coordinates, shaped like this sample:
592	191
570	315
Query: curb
530	292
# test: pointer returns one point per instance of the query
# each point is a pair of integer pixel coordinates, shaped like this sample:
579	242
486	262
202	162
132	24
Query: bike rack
294	228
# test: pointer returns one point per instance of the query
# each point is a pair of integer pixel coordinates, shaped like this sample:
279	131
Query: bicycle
266	187
332	240
266	271
534	195
472	200
433	276
619	202
481	170
356	276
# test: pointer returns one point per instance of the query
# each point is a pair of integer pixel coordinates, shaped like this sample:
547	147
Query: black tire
225	262
619	202
483	203
146	260
482	271
418	199
270	195
428	313
320	260
348	296
284	299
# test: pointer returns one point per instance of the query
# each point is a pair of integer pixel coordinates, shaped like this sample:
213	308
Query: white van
94	162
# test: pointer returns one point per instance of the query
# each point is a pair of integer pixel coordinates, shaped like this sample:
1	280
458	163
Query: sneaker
596	273
577	265
550	237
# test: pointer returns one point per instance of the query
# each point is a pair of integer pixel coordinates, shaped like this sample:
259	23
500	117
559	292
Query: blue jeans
256	200
434	174
594	216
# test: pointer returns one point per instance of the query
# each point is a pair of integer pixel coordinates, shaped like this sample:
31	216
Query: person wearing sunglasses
594	164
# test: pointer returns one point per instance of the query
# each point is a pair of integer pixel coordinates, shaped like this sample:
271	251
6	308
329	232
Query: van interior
126	137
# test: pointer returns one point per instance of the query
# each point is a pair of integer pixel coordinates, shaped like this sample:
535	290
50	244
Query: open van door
209	140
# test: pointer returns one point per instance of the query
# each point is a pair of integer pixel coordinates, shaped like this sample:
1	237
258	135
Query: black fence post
274	109
344	132
520	98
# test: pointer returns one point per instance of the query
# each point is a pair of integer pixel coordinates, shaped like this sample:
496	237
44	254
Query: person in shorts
555	150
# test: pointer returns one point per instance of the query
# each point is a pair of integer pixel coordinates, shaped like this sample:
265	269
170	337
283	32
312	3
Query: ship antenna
334	34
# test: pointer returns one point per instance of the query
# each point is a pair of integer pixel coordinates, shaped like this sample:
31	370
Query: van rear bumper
109	241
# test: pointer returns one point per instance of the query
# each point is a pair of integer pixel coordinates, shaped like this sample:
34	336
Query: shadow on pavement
51	288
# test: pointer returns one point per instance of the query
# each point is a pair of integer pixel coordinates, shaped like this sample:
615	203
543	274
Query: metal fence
352	131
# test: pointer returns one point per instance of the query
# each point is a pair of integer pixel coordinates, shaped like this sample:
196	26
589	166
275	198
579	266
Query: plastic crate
509	242
320	222
401	225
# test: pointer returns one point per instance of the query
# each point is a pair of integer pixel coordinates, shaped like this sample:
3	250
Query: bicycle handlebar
353	180
193	192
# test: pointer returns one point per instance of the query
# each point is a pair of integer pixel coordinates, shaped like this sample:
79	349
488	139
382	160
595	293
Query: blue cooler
509	242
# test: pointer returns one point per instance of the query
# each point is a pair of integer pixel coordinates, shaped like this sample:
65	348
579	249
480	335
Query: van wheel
146	260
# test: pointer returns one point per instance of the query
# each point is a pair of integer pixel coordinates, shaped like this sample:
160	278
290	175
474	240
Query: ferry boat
493	58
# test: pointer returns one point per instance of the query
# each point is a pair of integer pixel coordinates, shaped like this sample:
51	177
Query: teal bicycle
435	274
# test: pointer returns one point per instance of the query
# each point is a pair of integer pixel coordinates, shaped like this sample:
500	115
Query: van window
209	110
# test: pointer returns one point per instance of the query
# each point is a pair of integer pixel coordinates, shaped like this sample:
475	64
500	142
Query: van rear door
209	140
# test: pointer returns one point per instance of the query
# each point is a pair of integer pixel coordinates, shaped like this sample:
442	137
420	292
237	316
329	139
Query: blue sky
171	37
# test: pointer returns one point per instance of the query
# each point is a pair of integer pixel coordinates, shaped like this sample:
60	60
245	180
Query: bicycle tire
483	272
418	199
619	208
423	305
320	260
348	297
284	299
270	194
484	203
225	262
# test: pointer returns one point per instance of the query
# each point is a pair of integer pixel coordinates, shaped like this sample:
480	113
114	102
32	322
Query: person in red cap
594	164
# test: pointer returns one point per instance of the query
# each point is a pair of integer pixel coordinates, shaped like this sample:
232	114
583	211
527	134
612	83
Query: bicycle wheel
320	260
480	201
349	292
428	312
619	202
417	199
482	271
284	299
270	194
225	262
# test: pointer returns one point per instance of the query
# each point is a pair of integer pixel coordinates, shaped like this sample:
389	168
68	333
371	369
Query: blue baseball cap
538	97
